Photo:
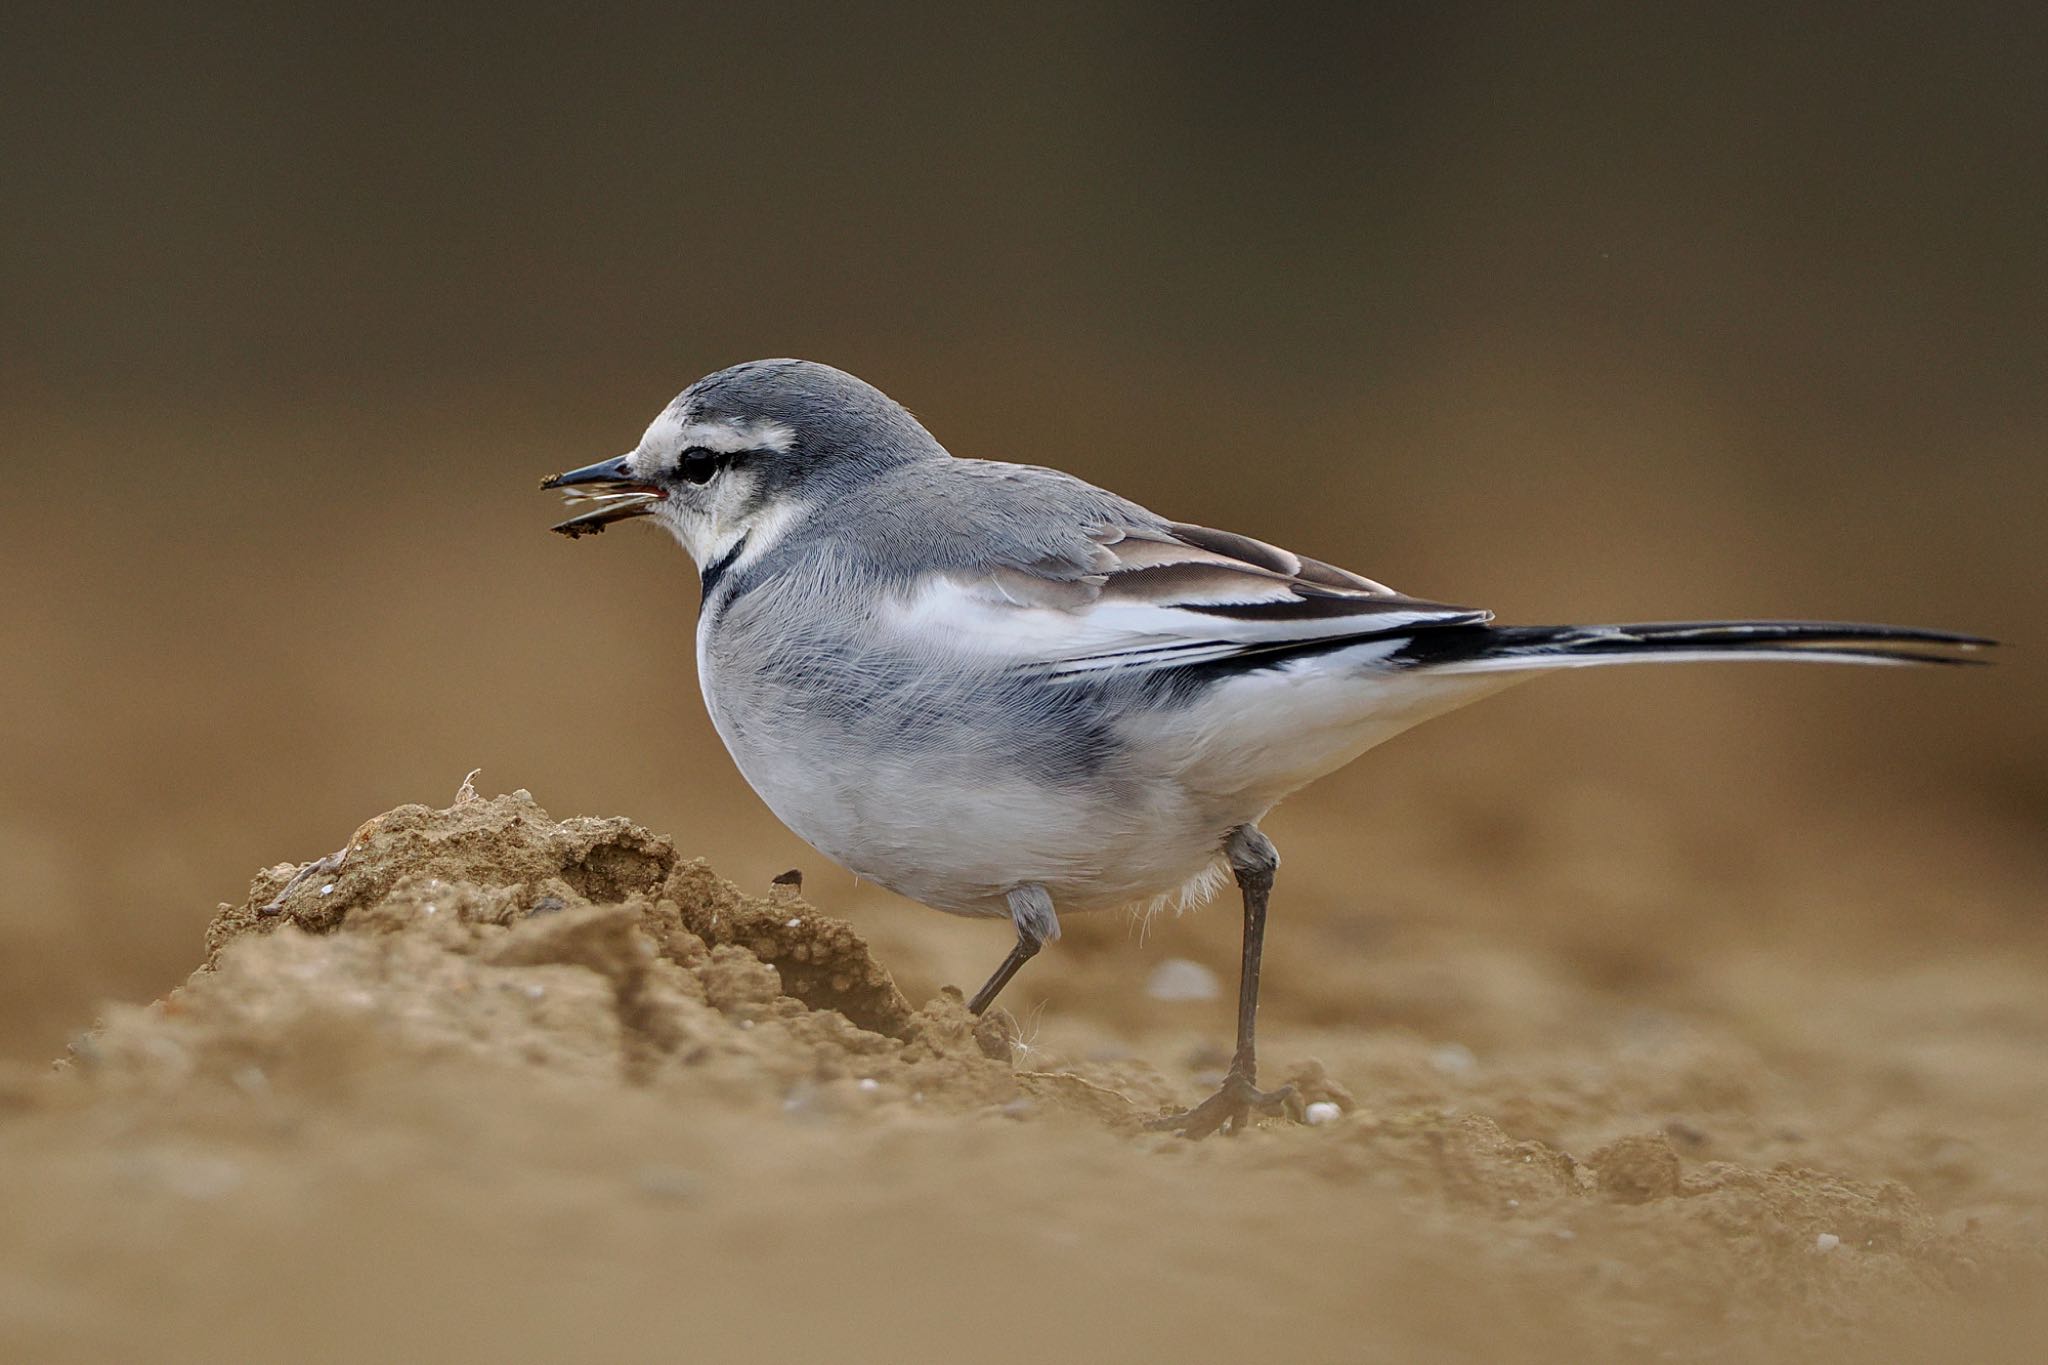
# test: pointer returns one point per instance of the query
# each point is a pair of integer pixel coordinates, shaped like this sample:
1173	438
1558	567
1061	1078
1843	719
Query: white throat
710	541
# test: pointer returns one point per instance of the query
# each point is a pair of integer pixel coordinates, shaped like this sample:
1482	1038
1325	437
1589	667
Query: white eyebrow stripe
732	437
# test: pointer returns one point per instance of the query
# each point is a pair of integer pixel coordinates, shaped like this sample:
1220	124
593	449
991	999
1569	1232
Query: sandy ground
1787	922
501	1088
1729	314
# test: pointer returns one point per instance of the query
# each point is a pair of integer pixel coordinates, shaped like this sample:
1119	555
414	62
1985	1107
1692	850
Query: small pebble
1826	1242
1322	1111
327	890
870	1083
1452	1059
792	923
1179	979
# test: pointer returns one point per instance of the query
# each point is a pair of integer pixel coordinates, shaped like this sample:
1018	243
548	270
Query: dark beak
615	494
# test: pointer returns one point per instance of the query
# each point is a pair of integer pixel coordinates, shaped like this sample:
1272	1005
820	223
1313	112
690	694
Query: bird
1001	691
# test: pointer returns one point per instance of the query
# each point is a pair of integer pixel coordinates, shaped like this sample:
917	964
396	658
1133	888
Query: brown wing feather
1220	573
1243	549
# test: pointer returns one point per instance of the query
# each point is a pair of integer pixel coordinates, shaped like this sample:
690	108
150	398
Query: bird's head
744	452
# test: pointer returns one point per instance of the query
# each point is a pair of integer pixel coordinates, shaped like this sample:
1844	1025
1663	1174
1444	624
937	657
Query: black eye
698	464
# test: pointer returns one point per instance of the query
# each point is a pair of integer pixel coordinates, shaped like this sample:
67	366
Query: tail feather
1489	649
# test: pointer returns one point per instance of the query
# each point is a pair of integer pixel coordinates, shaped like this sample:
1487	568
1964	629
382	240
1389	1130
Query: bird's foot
1231	1109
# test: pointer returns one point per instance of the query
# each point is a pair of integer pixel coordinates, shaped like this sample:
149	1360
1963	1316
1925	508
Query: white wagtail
1004	692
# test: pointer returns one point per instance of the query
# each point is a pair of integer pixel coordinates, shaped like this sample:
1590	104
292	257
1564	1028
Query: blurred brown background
1610	313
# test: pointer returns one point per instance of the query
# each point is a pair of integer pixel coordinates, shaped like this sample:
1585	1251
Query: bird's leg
1026	949
1253	860
1031	911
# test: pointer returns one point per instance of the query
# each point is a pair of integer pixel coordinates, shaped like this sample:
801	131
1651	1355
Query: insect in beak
613	492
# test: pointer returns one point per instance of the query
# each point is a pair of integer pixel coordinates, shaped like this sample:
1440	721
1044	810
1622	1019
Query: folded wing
1150	598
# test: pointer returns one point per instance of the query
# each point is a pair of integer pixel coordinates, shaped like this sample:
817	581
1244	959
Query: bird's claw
1231	1108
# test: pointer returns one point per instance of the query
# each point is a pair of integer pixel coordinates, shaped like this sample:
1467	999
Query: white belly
955	826
962	845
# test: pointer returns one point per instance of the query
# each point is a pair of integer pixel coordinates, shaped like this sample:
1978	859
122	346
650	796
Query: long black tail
1489	649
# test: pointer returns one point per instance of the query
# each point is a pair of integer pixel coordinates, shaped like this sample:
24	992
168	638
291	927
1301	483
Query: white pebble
792	923
1322	1111
327	890
870	1083
1826	1242
1179	979
1452	1059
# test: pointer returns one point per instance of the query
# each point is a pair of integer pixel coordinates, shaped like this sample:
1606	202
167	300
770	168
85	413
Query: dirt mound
484	1084
587	947
504	862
